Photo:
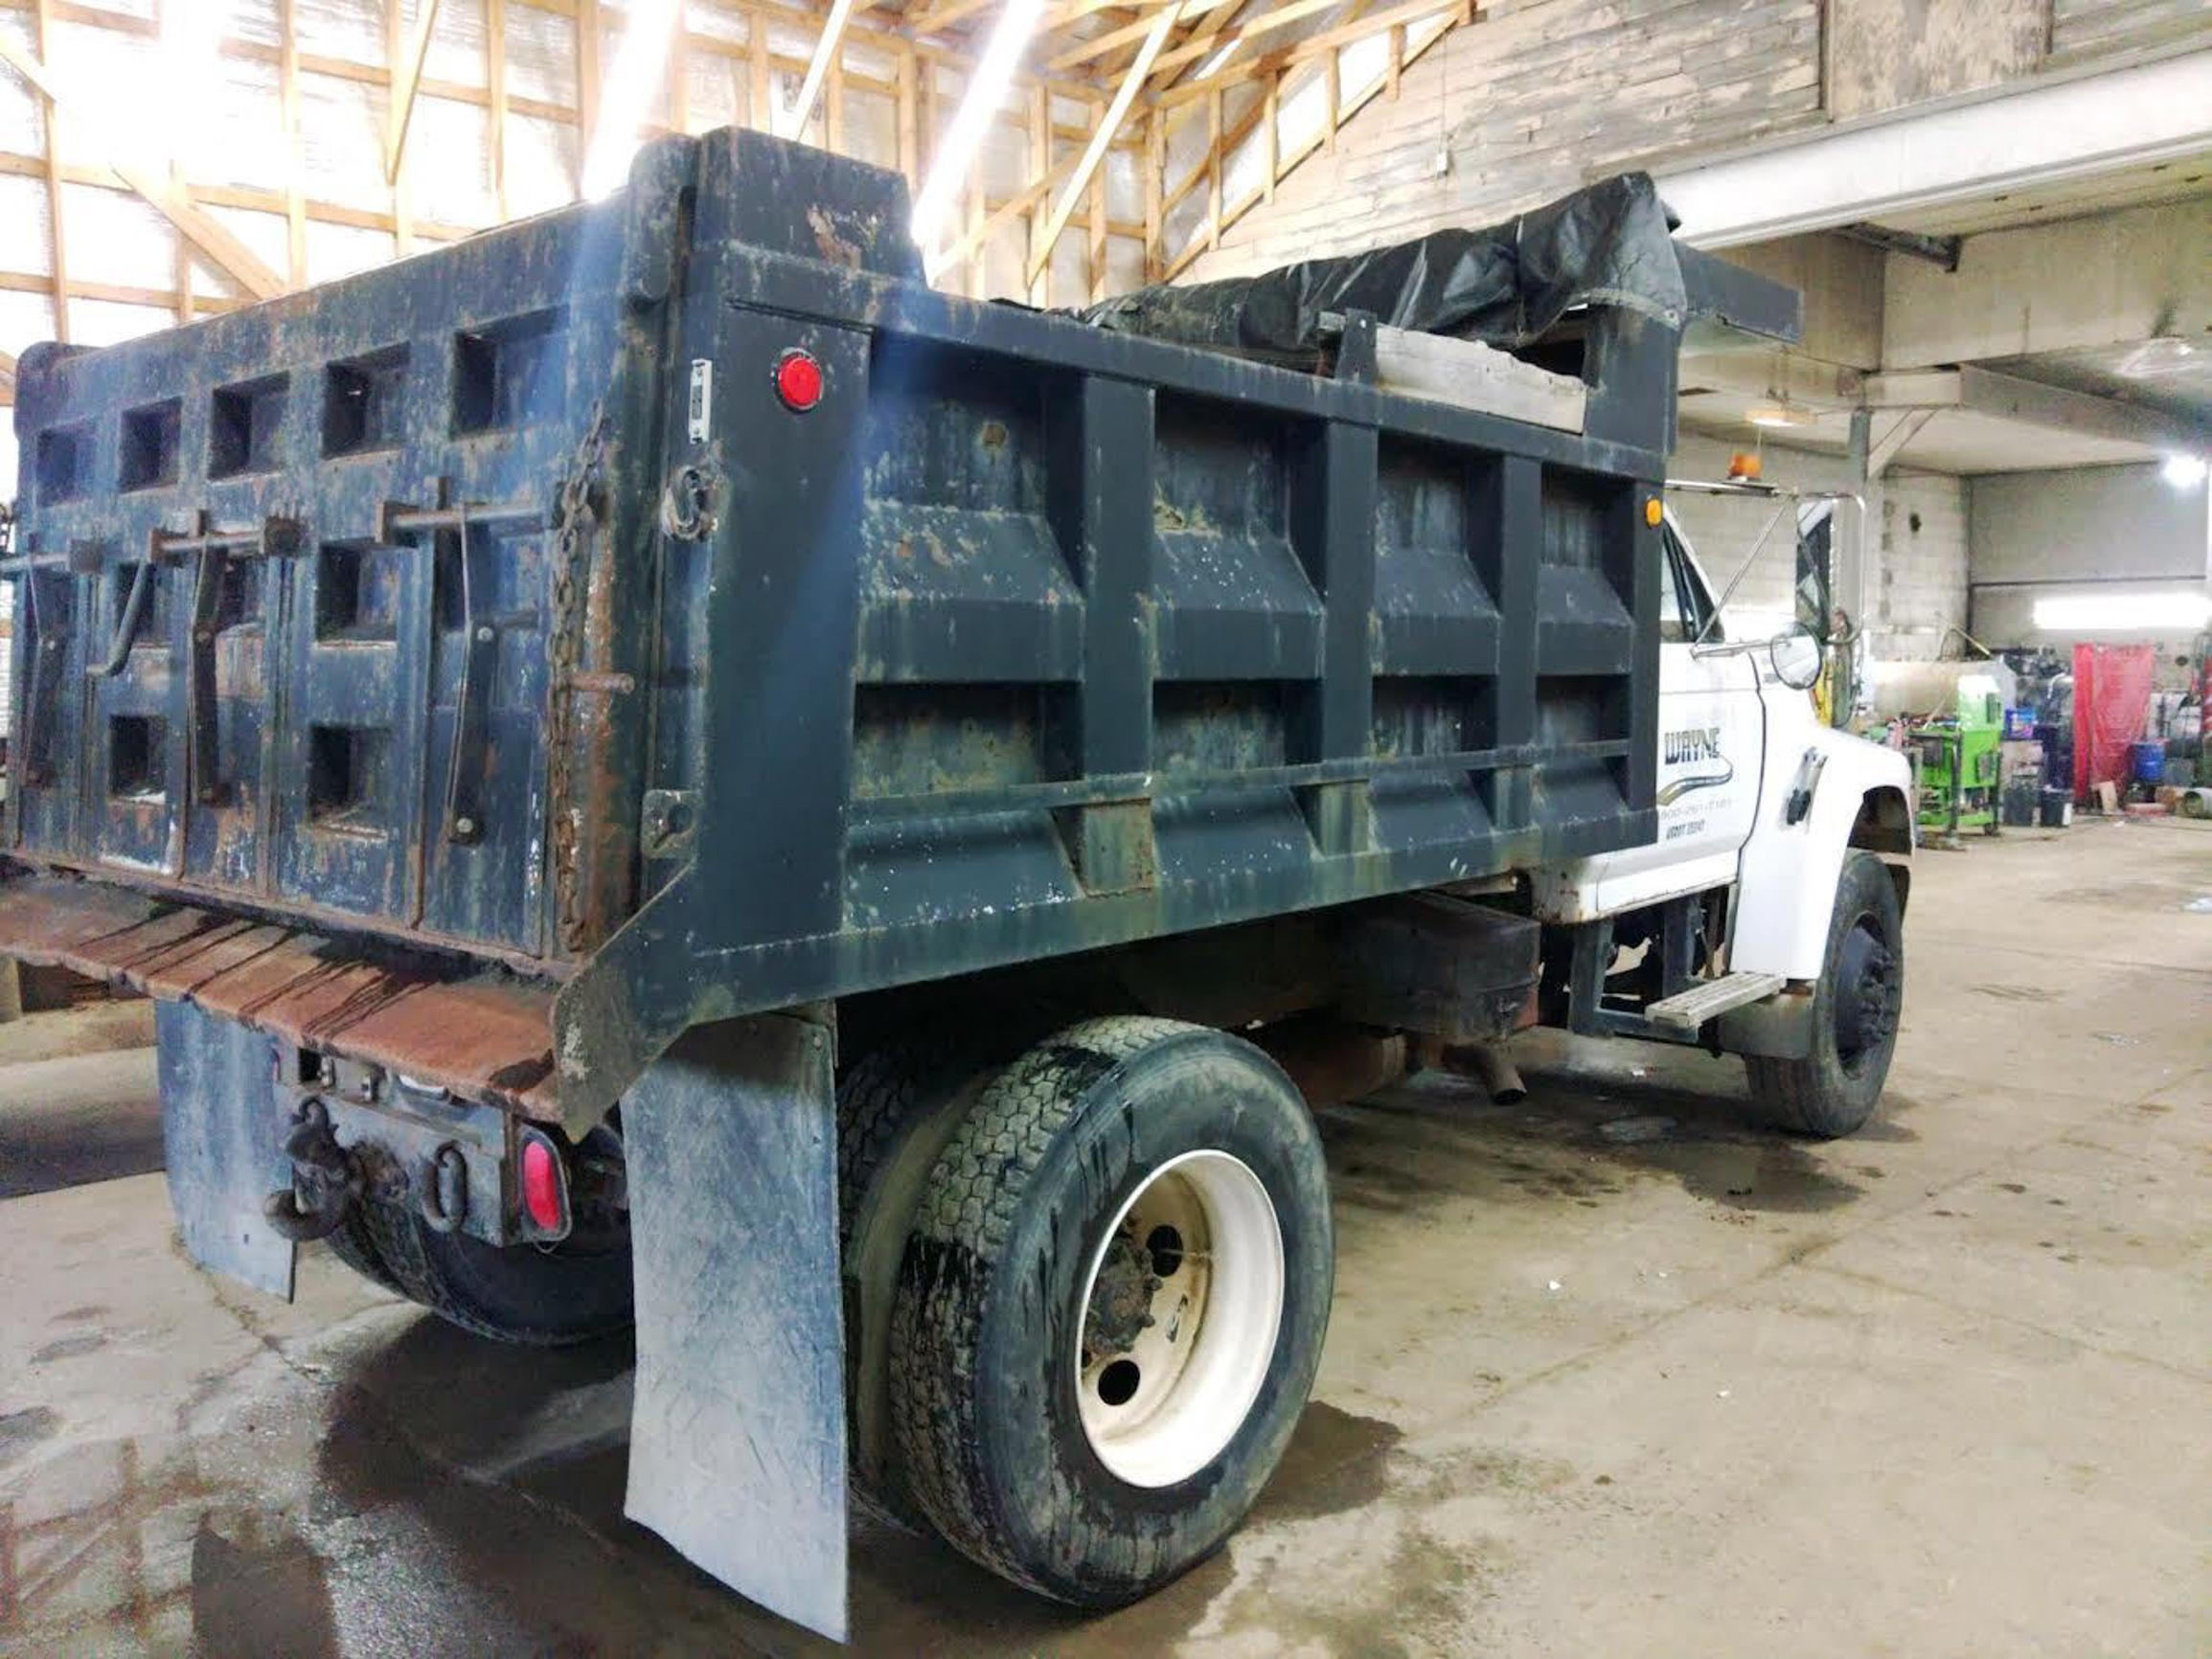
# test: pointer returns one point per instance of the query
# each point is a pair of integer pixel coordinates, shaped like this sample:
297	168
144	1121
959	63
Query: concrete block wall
1917	565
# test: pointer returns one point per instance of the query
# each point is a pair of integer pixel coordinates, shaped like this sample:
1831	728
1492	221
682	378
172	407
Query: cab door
1712	733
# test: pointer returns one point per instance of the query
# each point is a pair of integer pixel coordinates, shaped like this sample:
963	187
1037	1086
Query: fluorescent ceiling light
638	67
2184	471
2169	613
985	90
1780	415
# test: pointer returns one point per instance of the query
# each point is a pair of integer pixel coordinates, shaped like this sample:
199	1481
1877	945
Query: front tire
1111	1309
1833	1091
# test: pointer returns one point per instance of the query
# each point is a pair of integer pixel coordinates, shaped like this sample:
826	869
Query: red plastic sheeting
2111	697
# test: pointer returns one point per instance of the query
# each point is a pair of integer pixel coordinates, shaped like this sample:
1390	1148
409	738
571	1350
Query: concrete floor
1610	1373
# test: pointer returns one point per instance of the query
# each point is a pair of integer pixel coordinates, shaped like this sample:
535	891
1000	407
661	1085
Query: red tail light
544	1186
799	380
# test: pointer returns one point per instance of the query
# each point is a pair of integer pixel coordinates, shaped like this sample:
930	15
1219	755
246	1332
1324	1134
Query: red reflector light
799	380
542	1195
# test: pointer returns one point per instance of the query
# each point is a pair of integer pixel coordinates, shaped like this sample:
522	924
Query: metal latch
399	524
1802	786
672	819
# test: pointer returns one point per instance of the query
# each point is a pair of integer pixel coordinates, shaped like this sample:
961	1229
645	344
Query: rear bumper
485	1034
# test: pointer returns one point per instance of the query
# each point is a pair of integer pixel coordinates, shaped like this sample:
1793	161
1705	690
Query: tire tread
975	1194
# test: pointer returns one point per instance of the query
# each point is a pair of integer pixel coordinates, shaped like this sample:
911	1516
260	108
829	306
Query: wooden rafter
587	44
1327	41
1278	162
882	73
1068	12
6	377
44	24
790	123
1110	125
406	81
1114	39
496	87
1205	33
173	201
1266	23
288	103
936	19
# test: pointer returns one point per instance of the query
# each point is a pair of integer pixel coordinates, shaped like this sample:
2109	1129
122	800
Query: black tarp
1610	244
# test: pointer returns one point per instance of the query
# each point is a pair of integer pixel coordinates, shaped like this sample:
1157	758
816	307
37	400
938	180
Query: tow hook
441	1188
326	1181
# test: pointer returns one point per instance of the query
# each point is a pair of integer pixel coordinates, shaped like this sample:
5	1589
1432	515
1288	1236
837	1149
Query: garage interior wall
1539	96
1917	588
2107	531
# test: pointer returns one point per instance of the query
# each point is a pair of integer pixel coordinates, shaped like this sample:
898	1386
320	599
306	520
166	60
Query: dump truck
663	773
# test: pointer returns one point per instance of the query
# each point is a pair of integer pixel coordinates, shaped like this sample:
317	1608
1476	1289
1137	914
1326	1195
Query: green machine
1956	756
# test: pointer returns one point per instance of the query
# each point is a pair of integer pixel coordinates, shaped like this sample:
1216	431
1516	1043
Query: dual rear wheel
1110	1307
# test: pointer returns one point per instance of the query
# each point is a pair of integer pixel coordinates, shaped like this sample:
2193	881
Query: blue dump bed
670	607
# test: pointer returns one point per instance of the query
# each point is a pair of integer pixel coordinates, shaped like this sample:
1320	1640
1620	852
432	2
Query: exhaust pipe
1487	1065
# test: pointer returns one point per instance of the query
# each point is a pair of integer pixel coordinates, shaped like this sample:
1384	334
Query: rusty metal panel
484	1035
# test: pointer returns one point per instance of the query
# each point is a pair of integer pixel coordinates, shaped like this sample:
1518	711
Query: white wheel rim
1159	1406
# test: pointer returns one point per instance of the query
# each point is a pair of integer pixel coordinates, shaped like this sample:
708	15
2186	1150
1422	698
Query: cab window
1685	609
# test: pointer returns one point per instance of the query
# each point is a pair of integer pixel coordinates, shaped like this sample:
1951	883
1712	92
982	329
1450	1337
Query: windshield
1686	610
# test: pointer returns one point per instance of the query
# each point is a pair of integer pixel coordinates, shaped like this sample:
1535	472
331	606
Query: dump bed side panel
1031	638
496	590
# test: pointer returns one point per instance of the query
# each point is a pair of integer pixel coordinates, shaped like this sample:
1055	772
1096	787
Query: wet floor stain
1423	1146
69	1348
1338	1461
20	1429
254	1596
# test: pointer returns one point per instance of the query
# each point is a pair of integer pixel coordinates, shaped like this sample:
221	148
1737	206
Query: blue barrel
2150	760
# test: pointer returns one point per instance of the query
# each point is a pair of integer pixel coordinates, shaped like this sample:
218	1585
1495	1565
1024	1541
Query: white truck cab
1765	917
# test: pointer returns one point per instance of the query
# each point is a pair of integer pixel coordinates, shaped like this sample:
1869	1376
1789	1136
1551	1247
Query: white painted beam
2081	285
2033	403
2041	133
1907	425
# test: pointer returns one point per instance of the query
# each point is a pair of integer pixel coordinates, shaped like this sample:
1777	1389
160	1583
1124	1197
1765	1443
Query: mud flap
223	1135
737	1452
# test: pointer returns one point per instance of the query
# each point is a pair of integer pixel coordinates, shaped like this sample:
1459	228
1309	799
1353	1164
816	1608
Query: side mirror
1797	656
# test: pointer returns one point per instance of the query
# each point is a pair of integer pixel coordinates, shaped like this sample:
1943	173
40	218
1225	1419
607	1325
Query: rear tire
1833	1091
353	1246
898	1103
1132	1190
531	1295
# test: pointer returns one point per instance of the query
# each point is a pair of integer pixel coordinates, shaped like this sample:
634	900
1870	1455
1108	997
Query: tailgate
329	606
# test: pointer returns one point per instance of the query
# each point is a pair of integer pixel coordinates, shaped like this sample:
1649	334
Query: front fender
1786	892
